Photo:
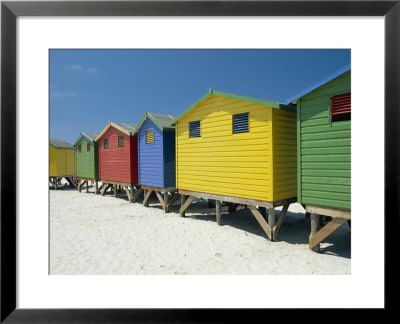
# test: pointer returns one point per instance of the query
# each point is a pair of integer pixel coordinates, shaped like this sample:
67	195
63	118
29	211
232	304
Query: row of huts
229	148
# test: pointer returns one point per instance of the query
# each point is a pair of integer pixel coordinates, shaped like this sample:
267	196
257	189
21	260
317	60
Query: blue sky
88	88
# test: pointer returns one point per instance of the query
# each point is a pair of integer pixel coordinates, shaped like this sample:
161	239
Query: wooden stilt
182	211
271	220
316	239
97	187
147	197
315	220
218	212
166	208
136	195
188	201
280	220
87	186
128	194
80	182
160	199
261	220
106	186
115	190
173	199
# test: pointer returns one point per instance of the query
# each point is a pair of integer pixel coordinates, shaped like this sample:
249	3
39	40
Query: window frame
79	148
339	117
88	147
146	138
121	137
105	143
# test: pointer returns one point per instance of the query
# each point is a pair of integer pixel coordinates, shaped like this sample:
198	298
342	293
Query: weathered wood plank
136	195
328	229
128	194
280	219
105	188
183	199
218	212
147	197
315	225
168	189
115	190
344	214
173	199
166	208
186	204
99	188
261	220
160	198
271	220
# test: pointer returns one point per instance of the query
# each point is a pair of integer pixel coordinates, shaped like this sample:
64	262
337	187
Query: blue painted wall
169	159
151	166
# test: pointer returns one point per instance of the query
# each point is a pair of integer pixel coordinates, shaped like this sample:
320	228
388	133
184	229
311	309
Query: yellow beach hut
62	162
238	149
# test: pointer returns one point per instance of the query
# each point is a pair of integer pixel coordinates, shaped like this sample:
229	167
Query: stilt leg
87	186
115	190
271	220
314	229
166	209
218	212
183	199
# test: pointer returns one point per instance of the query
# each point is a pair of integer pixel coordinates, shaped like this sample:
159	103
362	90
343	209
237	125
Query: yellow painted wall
284	132
238	165
62	162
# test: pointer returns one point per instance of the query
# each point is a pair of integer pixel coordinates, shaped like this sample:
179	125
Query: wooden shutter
88	147
241	123
150	136
79	148
120	141
194	128
341	104
106	143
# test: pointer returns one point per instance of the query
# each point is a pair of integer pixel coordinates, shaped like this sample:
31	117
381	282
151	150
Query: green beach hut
87	160
324	152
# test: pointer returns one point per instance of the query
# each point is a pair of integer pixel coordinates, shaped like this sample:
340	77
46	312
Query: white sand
91	234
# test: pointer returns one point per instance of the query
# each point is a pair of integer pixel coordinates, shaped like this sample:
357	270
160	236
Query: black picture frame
10	10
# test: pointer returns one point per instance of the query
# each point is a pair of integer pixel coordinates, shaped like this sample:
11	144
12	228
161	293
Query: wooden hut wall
62	161
220	162
284	154
324	148
169	158
87	163
118	164
151	167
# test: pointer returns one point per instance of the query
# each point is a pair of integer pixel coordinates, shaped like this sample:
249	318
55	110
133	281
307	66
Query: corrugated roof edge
148	114
320	83
257	101
60	146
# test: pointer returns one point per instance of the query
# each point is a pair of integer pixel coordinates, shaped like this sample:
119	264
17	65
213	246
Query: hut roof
320	83
90	136
162	121
128	129
60	144
212	92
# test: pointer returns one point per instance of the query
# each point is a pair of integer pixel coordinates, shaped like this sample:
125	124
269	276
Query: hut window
150	136
241	123
88	147
106	143
120	141
79	148
340	107
194	128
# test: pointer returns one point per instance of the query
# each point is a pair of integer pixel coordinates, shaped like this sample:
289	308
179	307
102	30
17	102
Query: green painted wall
87	163
324	148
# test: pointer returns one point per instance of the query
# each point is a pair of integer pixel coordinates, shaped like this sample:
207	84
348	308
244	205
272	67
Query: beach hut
156	149
240	150
62	162
118	159
324	152
87	160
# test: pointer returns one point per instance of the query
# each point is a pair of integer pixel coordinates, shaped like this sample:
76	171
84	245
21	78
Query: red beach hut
118	158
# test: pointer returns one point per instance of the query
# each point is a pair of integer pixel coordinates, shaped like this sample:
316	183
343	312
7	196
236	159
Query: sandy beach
91	234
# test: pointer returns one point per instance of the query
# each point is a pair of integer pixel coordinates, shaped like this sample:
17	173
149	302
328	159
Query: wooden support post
218	212
327	230
80	185
280	219
265	226
87	186
271	220
315	219
106	186
136	195
160	199
128	194
173	199
115	190
56	183
166	205
188	201
182	211
97	187
147	197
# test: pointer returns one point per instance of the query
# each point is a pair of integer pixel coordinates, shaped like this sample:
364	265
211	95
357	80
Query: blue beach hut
156	157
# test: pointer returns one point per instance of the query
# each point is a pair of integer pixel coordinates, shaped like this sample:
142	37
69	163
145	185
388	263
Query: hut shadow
295	229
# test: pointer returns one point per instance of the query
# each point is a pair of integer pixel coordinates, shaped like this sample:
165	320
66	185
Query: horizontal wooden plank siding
87	163
324	148
169	159
221	162
62	161
285	154
52	161
118	163
151	169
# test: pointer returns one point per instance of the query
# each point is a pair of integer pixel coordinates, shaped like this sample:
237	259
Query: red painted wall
118	164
